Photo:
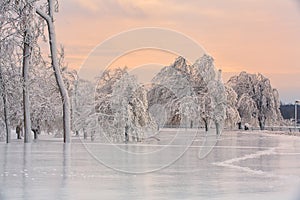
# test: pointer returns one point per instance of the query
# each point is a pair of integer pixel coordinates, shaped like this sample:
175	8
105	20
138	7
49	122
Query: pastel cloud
111	8
251	35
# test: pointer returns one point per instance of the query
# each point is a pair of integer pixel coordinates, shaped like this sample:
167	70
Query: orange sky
241	35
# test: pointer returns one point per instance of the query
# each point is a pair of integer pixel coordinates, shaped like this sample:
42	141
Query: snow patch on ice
230	163
251	156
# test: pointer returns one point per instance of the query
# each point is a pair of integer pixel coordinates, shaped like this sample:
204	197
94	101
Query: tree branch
43	15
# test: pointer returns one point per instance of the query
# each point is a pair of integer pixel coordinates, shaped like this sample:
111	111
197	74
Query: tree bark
74	106
4	98
84	134
218	128
126	134
58	76
262	122
206	124
26	102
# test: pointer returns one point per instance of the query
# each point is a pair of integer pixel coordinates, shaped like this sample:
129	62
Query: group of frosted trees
118	108
183	95
32	87
180	95
38	92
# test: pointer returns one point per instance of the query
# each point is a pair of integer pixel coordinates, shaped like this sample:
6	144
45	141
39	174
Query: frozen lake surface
181	165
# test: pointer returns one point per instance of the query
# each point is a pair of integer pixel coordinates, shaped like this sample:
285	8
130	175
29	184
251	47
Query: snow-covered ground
240	165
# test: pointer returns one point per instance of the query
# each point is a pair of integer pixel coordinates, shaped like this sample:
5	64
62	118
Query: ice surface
242	166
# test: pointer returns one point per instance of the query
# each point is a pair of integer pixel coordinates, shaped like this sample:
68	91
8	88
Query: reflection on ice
241	166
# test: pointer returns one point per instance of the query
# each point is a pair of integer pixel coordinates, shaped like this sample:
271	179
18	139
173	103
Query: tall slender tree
5	32
4	99
26	102
49	18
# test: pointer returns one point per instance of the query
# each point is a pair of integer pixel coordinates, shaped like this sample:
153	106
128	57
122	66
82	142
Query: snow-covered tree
3	91
189	110
258	102
209	88
194	91
122	106
248	110
21	27
49	18
30	29
217	92
4	31
44	96
12	25
232	114
130	105
83	108
103	103
170	86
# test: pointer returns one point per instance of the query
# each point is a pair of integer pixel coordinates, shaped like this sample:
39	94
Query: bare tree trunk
84	134
261	125
74	105
206	124
126	134
26	102
58	76
262	122
4	98
6	120
218	128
